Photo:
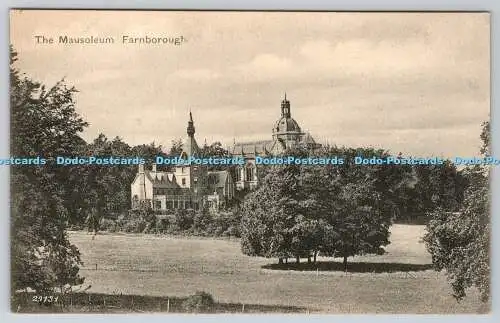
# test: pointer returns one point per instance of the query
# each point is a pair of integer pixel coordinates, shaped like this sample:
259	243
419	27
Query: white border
492	6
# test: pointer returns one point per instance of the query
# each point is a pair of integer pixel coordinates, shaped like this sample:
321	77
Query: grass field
400	282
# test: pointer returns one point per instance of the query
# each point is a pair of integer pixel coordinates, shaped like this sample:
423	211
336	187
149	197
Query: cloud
265	66
414	81
201	74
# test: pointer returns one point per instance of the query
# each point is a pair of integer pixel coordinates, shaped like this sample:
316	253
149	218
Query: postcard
249	162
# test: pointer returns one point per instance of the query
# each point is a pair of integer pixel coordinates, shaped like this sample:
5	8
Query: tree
485	138
356	205
176	148
459	242
339	210
148	152
43	123
216	150
436	186
270	216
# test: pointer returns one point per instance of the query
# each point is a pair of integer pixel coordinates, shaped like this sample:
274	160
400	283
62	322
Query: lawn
397	282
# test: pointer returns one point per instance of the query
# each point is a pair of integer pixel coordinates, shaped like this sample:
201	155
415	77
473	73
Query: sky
416	83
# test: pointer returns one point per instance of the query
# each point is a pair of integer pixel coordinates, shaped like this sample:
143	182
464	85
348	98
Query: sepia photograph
255	162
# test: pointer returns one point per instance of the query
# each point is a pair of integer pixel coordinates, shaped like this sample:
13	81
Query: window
183	181
249	174
157	205
238	174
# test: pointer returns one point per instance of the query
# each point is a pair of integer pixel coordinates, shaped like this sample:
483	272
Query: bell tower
285	108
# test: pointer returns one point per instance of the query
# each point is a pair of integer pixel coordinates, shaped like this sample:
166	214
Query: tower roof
190	127
189	145
286	123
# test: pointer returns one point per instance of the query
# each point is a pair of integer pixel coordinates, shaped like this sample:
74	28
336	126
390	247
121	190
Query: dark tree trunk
345	263
286	260
315	254
297	258
280	260
309	259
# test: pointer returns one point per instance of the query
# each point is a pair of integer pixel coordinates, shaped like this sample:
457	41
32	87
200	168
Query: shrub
135	225
200	302
108	225
184	219
162	225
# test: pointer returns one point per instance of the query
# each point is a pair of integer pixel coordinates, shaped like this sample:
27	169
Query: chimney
141	168
154	168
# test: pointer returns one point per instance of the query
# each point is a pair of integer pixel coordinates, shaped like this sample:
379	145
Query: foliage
108	225
486	139
437	186
43	123
459	242
216	150
103	188
269	214
338	210
356	203
176	148
200	302
184	219
202	221
199	223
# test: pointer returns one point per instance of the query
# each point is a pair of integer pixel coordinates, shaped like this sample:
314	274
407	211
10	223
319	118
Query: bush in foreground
200	302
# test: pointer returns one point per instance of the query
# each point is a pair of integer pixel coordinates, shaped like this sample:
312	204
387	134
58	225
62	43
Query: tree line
46	199
297	211
340	210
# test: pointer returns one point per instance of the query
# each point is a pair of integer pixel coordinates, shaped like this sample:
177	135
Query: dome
284	125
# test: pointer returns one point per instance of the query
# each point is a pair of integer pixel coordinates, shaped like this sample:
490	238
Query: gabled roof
253	148
162	179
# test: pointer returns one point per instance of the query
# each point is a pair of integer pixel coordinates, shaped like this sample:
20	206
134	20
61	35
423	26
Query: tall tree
271	216
357	205
43	123
459	242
